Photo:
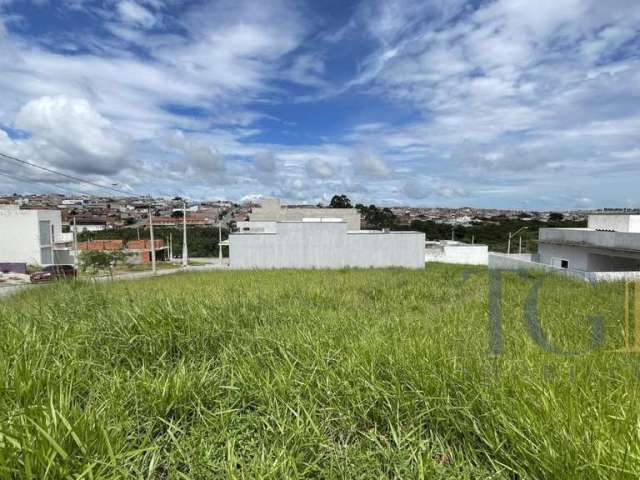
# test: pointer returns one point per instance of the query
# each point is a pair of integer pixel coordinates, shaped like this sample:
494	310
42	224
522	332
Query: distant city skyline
491	104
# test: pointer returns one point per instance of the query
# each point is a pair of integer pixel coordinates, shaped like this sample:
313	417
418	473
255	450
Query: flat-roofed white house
32	237
607	249
322	243
610	243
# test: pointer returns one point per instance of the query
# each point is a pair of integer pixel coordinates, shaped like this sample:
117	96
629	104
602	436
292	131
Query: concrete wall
502	261
55	217
256	227
20	234
590	259
457	253
578	257
325	245
617	223
389	249
271	210
585	237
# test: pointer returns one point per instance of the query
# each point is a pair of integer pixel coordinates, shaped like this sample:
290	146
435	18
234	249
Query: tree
177	214
340	201
556	217
377	217
96	260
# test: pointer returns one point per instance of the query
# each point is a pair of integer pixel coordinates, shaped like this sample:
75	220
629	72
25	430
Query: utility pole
453	233
185	250
520	244
220	241
153	244
171	247
76	261
511	235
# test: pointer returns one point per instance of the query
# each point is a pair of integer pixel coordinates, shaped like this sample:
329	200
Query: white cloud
132	12
319	168
266	163
420	188
251	198
504	97
511	90
370	165
198	158
71	134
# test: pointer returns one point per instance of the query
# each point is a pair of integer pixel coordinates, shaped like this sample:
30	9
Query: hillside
315	374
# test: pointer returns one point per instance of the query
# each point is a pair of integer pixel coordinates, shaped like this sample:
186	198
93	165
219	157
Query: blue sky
503	103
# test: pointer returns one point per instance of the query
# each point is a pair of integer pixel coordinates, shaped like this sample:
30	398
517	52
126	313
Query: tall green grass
314	374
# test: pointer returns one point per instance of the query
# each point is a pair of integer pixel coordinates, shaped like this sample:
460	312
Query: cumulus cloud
71	134
199	158
499	96
251	198
319	168
370	165
418	189
294	188
266	163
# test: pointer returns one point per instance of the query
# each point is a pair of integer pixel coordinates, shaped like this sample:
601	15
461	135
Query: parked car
53	272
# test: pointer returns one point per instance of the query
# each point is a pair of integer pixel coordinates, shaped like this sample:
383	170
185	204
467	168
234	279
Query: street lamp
511	235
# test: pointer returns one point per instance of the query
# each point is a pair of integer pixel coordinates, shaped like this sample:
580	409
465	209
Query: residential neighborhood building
90	224
32	237
607	249
610	243
323	243
139	251
272	210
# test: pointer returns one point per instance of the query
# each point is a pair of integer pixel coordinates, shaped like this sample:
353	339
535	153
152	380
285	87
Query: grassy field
314	374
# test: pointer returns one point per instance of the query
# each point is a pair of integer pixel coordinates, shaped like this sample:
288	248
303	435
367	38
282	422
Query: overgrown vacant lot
316	374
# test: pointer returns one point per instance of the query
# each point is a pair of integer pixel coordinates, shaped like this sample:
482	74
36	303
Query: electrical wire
39	182
70	177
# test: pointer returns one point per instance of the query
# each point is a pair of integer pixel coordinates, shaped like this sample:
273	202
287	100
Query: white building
608	249
610	243
323	243
449	251
32	237
272	211
90	224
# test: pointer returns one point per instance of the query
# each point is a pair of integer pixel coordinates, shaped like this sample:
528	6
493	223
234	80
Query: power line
40	182
70	177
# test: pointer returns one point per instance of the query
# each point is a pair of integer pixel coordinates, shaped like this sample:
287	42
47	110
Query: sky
497	104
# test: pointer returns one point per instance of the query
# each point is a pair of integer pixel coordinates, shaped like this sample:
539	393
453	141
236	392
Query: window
46	255
559	262
45	232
